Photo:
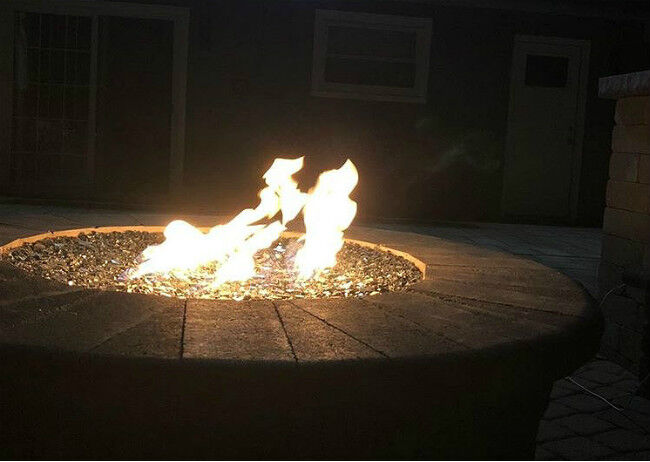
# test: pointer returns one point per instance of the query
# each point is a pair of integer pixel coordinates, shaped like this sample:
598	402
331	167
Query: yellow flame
327	212
240	266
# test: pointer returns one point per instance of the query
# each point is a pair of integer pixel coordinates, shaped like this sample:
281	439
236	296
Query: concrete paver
581	424
577	448
617	428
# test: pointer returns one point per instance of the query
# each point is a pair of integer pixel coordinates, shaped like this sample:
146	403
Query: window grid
51	86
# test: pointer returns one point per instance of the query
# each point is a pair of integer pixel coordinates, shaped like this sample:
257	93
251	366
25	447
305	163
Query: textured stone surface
624	166
624	85
601	419
634	110
313	339
644	170
87	320
156	335
582	424
628	196
626	224
468	324
633	138
234	330
389	336
621	310
577	448
623	252
609	276
566	300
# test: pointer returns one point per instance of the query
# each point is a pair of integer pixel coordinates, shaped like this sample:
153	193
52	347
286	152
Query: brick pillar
625	259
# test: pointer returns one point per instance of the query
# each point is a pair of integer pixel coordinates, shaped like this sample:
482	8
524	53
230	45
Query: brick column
625	259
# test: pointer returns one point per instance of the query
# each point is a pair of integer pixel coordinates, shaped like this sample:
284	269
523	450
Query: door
134	109
545	123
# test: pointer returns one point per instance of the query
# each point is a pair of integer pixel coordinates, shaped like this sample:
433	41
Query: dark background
248	101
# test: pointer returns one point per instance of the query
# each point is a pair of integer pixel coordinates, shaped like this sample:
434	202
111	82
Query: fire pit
453	357
243	259
457	365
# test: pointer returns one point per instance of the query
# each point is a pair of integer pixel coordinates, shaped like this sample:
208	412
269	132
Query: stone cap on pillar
624	85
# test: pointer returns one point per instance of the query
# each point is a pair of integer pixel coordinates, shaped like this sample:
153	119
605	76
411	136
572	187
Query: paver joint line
461	301
182	342
284	329
340	330
126	329
419	325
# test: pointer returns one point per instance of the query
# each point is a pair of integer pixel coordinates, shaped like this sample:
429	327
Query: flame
327	211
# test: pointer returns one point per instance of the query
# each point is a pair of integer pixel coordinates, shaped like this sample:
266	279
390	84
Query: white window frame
327	18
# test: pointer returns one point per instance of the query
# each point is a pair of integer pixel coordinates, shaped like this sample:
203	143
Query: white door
545	124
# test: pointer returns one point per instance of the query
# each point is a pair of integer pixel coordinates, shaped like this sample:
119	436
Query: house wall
248	101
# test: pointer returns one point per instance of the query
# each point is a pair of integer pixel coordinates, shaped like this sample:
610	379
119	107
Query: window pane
546	71
368	72
371	42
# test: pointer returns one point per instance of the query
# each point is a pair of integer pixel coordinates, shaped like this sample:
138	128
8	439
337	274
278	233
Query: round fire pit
458	365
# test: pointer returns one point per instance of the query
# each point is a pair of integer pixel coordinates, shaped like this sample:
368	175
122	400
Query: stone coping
624	85
471	299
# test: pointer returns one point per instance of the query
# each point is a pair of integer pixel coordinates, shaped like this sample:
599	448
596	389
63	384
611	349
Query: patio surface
593	414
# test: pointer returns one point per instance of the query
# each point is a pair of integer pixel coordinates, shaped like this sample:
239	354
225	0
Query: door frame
576	164
177	15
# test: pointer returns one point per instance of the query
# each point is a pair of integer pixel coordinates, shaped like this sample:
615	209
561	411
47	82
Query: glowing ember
327	210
